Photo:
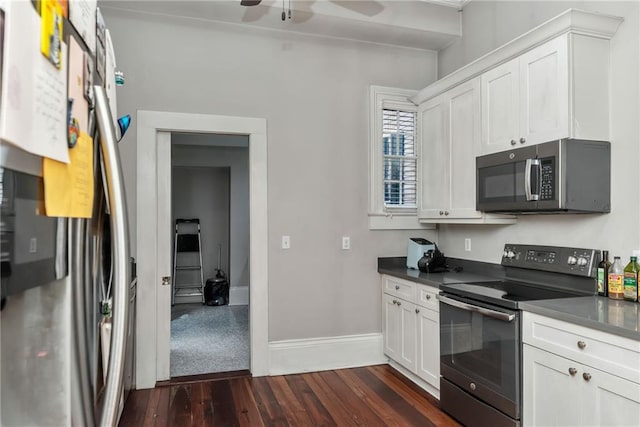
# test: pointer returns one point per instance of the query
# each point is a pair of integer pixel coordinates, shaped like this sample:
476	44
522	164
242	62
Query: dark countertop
617	317
482	272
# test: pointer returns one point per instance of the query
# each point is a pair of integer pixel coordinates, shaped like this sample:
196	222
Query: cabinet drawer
400	288
427	297
611	353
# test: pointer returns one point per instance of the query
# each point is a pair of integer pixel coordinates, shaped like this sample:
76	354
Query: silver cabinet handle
523	140
513	142
399	304
120	251
417	310
395	301
397	287
428	297
573	371
582	345
446	213
586	376
441	212
505	317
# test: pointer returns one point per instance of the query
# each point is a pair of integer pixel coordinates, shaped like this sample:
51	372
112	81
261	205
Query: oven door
480	351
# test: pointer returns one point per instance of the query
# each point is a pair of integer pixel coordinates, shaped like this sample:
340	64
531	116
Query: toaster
416	248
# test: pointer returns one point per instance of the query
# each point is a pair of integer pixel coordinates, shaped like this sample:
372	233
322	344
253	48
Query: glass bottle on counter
630	281
616	277
602	279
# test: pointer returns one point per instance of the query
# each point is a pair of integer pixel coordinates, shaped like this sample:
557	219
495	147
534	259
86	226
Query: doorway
210	183
154	131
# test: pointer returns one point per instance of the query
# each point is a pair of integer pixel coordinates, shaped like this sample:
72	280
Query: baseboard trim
239	295
323	354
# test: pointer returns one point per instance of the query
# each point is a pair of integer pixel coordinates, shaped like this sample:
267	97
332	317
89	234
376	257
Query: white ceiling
421	24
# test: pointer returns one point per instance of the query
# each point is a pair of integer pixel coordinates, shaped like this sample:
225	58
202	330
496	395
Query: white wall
487	25
203	193
313	93
237	160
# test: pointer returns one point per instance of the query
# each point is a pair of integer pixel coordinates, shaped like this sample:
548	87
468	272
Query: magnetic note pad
68	188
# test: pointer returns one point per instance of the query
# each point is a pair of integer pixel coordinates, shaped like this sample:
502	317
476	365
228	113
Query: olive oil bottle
616	276
630	281
602	277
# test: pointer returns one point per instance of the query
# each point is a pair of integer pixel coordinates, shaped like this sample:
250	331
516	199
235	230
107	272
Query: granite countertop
457	273
614	316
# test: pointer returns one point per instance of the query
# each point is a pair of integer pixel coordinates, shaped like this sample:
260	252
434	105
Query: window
399	158
393	159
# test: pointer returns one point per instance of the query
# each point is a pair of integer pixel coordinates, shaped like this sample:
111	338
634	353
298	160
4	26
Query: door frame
153	324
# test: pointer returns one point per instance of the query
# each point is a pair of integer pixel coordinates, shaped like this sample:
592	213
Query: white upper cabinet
559	89
449	144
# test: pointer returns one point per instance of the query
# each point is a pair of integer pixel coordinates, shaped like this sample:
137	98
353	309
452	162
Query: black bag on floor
216	290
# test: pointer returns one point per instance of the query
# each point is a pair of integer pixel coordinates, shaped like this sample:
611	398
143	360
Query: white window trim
379	217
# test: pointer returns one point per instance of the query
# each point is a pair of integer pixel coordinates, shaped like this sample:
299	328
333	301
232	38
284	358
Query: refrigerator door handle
120	251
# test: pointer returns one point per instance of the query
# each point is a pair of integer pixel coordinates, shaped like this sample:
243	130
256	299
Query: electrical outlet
346	242
467	244
286	242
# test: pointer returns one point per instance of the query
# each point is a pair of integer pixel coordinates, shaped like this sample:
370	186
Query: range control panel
557	259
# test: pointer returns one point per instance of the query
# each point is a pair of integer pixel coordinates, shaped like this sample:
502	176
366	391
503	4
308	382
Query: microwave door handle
505	317
528	168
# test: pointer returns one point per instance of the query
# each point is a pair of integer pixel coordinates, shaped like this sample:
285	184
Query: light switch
286	242
346	242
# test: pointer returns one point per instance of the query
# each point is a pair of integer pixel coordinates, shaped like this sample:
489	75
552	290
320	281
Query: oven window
481	348
502	183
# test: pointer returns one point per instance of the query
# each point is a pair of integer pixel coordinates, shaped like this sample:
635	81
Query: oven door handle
505	317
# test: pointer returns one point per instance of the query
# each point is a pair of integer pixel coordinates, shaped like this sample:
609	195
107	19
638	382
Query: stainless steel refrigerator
68	292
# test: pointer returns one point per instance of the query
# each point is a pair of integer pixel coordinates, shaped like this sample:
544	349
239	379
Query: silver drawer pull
399	304
582	345
428	297
573	371
417	310
397	287
586	376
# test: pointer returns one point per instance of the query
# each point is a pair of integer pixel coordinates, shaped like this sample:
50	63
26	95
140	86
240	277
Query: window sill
397	222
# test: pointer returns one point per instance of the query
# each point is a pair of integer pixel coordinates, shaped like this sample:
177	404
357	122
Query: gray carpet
209	339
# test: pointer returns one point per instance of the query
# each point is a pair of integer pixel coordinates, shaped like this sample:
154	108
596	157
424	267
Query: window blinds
399	158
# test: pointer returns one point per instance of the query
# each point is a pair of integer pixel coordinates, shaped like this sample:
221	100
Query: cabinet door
407	346
464	139
610	400
500	107
550	393
428	360
434	160
544	92
391	326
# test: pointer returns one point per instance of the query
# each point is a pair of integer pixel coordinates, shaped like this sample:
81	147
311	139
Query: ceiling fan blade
250	2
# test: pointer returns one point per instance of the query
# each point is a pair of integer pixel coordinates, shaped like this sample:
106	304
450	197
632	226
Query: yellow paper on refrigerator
51	31
68	187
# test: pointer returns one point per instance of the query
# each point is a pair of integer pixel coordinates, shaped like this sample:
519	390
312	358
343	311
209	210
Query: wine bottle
602	277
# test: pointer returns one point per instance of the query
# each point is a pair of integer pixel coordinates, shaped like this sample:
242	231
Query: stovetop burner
534	273
505	293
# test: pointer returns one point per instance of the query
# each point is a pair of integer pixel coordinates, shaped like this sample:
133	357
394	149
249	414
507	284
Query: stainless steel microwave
562	176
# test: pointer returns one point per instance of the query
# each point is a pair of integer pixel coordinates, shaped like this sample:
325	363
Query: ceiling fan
369	8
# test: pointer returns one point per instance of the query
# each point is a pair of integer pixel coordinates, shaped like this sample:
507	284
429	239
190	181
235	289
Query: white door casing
153	195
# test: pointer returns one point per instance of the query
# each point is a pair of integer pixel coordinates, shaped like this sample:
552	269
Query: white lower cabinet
411	331
565	389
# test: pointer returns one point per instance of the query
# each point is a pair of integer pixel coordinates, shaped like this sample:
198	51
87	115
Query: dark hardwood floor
370	396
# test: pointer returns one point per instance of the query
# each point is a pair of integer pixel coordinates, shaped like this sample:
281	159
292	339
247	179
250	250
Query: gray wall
314	93
203	193
486	26
237	160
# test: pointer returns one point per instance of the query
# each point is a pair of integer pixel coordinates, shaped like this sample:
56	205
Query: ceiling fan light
250	2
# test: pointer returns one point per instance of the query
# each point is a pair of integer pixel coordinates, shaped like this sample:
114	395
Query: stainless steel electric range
480	331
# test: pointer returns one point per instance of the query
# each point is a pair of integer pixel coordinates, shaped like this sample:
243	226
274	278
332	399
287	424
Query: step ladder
188	279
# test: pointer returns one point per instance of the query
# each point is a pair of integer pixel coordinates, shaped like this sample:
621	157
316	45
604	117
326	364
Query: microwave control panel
575	261
547	175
